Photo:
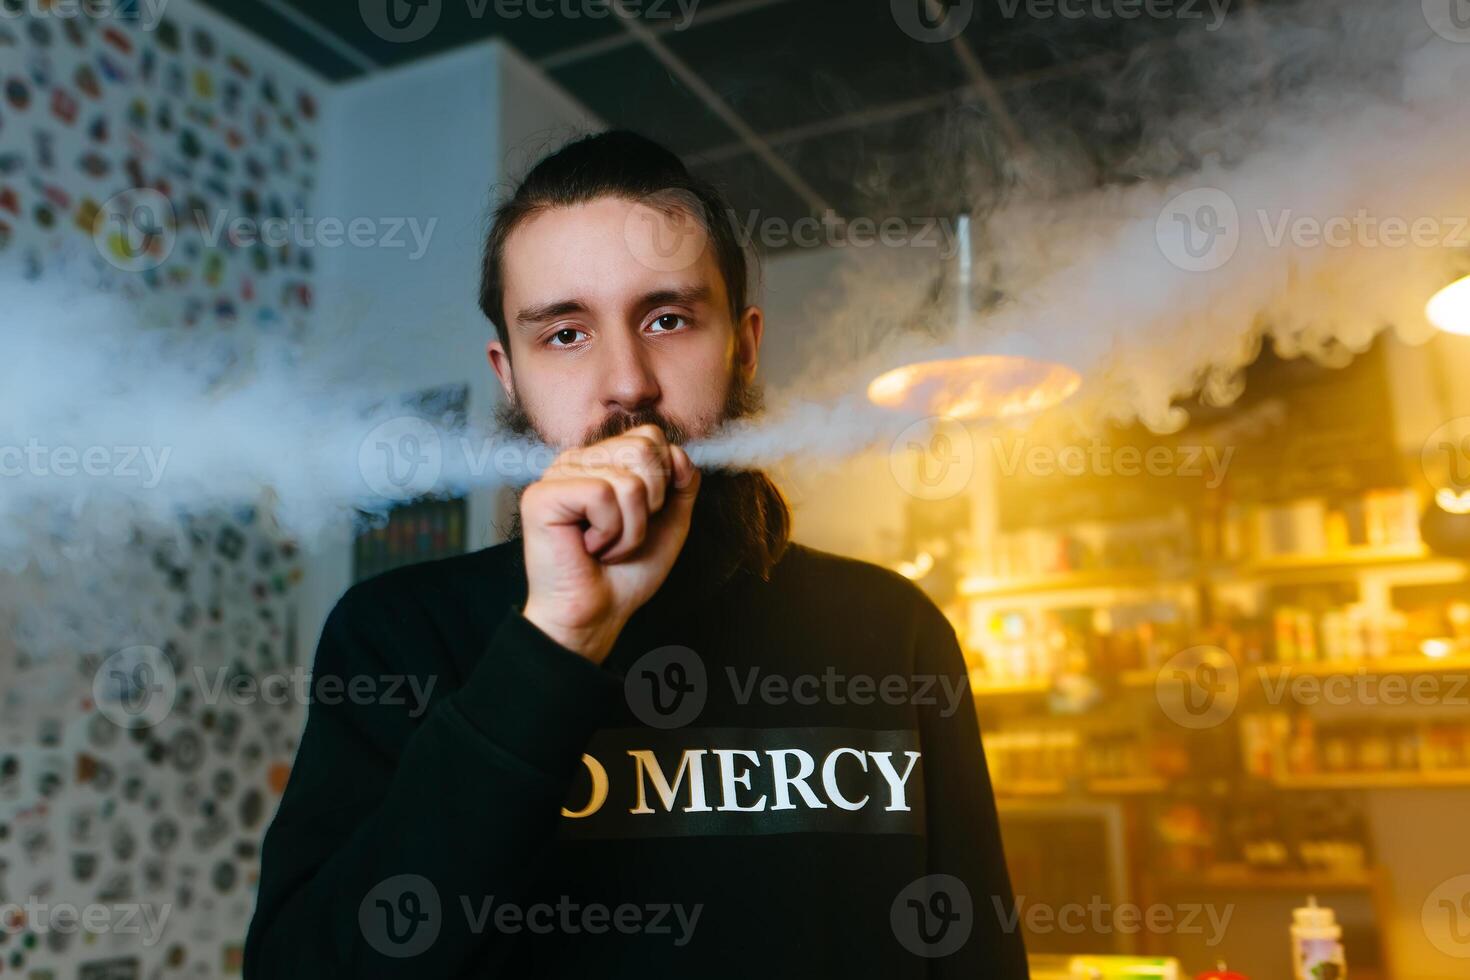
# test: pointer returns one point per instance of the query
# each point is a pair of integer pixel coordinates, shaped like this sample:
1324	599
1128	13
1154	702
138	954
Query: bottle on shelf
1316	943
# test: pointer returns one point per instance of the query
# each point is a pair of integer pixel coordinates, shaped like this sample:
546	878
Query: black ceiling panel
791	64
875	109
756	195
629	88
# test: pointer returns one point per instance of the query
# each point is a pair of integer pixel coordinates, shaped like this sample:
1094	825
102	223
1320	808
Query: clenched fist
602	528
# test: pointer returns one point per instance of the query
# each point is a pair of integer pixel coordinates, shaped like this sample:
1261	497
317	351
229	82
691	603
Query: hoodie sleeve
963	826
395	817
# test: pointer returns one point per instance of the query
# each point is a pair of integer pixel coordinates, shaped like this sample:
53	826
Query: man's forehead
607	251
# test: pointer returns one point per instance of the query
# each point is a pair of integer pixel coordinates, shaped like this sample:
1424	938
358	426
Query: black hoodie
766	778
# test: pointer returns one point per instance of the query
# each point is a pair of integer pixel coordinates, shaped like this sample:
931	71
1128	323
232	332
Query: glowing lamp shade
983	386
1449	310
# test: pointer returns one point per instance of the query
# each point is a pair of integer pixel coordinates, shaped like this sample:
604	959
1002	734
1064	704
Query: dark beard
740	519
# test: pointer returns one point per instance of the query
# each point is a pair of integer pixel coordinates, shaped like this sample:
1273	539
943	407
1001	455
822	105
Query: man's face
614	308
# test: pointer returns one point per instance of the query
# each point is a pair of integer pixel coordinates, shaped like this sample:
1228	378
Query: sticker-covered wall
153	142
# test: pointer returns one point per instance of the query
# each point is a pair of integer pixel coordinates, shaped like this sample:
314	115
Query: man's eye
564	337
667	323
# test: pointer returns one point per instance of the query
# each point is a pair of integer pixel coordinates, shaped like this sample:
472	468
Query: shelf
1376	667
1312	566
1395	779
1243	878
1031	787
1346	560
1007	689
1109	786
1126	785
1385	666
979	587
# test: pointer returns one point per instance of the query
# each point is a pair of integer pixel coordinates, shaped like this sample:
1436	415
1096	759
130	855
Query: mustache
619	422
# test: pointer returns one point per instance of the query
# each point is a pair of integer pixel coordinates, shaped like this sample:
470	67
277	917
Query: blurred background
1203	531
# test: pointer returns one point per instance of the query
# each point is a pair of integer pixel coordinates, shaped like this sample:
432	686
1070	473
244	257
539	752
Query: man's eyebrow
533	316
681	295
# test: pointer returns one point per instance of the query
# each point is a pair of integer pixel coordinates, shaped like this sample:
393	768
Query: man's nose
628	381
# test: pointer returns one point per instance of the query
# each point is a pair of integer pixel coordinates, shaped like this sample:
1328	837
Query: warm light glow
1437	648
1449	310
1451	502
922	565
992	386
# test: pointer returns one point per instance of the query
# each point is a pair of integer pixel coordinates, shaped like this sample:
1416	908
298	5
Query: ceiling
796	107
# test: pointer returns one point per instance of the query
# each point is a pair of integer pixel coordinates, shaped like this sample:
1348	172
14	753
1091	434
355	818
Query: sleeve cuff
535	698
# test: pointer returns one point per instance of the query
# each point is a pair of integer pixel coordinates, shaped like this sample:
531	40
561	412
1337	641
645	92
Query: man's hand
602	528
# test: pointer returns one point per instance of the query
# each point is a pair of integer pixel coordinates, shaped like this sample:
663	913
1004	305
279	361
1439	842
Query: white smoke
110	423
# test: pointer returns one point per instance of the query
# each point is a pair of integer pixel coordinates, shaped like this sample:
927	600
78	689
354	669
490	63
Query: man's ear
748	333
500	363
